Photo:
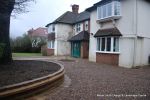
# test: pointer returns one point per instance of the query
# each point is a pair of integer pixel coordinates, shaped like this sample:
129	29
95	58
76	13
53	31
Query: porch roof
82	36
108	32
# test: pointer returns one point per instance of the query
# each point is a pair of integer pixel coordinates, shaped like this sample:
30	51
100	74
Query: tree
6	8
21	44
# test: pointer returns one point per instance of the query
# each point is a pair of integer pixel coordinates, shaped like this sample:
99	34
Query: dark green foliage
24	44
2	46
21	44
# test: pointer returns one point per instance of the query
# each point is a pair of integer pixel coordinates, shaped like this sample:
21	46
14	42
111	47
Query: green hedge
2	45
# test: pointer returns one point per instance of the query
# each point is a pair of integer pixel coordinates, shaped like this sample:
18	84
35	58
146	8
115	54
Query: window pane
79	29
52	45
116	8
53	28
109	9
99	12
108	44
98	44
49	44
116	45
104	11
103	44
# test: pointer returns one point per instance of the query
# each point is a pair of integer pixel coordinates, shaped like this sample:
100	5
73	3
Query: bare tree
6	8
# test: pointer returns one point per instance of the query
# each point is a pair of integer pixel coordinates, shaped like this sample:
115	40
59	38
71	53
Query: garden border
32	84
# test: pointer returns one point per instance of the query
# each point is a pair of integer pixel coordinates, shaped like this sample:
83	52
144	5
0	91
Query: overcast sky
43	12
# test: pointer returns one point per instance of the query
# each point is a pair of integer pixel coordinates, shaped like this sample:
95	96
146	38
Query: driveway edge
32	84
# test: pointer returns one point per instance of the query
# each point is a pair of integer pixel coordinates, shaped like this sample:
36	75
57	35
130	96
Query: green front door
75	49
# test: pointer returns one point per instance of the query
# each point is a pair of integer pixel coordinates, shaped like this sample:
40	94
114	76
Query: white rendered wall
146	51
142	52
143	22
126	52
94	27
63	33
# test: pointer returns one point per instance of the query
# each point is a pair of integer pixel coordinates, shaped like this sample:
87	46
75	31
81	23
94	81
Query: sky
43	12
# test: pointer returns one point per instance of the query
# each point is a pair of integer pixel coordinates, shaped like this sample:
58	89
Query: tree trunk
6	7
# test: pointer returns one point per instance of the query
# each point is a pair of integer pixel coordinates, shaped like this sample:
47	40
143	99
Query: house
69	34
119	32
37	35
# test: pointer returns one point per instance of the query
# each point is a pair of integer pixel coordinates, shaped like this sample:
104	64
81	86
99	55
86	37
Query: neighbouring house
119	32
69	34
38	35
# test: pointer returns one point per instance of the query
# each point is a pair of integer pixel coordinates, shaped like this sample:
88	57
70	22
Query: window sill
50	48
109	18
108	52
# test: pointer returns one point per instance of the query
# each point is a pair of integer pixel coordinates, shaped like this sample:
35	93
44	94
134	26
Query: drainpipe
135	32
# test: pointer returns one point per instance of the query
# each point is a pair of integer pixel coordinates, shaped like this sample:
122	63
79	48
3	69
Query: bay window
108	44
111	9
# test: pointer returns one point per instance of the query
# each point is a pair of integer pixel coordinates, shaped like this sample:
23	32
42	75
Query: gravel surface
85	80
20	71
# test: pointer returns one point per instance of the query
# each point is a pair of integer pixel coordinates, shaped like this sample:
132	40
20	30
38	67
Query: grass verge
26	54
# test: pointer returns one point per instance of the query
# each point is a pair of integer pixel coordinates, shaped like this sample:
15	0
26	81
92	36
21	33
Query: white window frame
86	25
51	28
111	46
51	44
100	10
78	26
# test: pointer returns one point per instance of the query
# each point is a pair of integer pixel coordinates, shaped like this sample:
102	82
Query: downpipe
135	32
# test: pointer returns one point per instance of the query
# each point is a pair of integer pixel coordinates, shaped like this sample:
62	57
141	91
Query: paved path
85	80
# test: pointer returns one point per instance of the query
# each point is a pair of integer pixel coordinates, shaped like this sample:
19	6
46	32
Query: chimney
75	8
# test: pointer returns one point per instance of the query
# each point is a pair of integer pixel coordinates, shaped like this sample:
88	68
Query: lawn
26	54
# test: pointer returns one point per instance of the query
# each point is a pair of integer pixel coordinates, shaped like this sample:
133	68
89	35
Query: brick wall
104	58
50	52
84	50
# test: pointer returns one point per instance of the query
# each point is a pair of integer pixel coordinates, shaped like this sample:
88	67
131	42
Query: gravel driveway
86	80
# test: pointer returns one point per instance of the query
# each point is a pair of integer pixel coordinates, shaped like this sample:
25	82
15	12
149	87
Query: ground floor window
108	44
50	44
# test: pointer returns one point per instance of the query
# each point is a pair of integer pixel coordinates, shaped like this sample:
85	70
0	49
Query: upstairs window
78	28
53	28
108	10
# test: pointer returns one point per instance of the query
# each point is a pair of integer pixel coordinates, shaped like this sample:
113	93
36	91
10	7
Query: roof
71	18
39	32
99	3
83	16
68	18
82	36
108	32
